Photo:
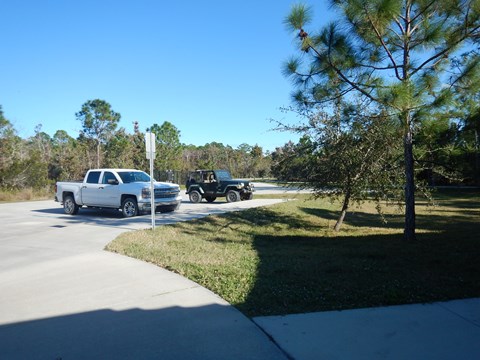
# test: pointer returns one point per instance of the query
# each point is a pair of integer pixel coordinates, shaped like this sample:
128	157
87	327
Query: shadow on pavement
170	333
114	218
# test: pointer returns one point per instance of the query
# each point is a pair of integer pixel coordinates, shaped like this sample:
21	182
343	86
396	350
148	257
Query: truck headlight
145	193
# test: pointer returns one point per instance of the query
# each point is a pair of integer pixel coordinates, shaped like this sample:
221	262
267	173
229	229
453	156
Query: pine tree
391	52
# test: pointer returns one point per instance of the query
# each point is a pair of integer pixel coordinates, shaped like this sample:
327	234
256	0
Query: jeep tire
233	196
248	196
195	196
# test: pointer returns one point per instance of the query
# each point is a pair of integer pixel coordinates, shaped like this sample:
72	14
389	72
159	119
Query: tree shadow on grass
464	204
331	271
357	218
430	221
317	273
267	217
212	227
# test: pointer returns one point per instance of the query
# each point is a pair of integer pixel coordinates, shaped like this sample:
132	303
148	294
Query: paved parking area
40	230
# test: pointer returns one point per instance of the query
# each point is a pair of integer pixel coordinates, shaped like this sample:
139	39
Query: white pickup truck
124	189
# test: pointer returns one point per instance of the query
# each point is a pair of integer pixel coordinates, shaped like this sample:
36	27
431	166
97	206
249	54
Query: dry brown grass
28	194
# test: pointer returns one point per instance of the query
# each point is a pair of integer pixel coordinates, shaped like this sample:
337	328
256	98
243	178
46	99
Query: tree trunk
409	231
346	202
98	154
476	175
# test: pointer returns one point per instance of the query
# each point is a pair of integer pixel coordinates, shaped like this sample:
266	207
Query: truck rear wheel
233	196
70	206
129	207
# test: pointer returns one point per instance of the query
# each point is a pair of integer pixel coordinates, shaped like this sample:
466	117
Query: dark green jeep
210	184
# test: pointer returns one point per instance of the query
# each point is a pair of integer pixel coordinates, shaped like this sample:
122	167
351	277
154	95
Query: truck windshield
133	176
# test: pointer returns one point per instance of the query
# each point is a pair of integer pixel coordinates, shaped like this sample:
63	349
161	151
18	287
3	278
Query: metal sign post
150	149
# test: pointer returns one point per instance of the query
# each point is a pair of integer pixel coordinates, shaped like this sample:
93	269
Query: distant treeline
41	160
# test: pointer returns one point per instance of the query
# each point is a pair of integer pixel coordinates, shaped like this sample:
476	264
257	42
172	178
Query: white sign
150	148
150	144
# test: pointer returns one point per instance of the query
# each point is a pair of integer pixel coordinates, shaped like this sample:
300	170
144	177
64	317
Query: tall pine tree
392	52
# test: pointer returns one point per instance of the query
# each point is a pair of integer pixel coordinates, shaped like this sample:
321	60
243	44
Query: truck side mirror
112	181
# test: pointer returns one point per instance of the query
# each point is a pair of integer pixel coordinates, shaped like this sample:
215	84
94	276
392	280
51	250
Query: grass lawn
286	258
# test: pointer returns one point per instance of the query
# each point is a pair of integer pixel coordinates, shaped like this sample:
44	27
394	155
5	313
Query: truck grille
166	193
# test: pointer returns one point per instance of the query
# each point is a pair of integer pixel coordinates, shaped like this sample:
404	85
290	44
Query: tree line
446	152
40	160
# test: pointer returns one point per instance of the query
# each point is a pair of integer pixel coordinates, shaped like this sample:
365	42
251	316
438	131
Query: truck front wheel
129	207
69	205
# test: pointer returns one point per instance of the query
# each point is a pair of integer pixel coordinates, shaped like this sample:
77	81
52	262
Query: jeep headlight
145	193
240	186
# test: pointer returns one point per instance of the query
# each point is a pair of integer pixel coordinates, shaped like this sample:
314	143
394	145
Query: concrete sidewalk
444	330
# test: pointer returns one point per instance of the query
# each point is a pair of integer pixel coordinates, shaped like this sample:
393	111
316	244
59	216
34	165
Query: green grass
287	259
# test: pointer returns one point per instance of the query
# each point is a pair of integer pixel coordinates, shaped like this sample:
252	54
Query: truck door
109	190
90	189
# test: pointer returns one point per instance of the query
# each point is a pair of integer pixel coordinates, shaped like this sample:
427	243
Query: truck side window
108	176
93	177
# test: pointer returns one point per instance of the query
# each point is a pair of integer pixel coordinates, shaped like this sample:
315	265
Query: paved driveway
40	230
63	297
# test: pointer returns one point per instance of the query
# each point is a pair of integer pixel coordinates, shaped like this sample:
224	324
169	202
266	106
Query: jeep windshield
223	175
133	176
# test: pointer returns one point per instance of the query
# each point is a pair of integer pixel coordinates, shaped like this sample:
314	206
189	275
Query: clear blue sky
211	68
